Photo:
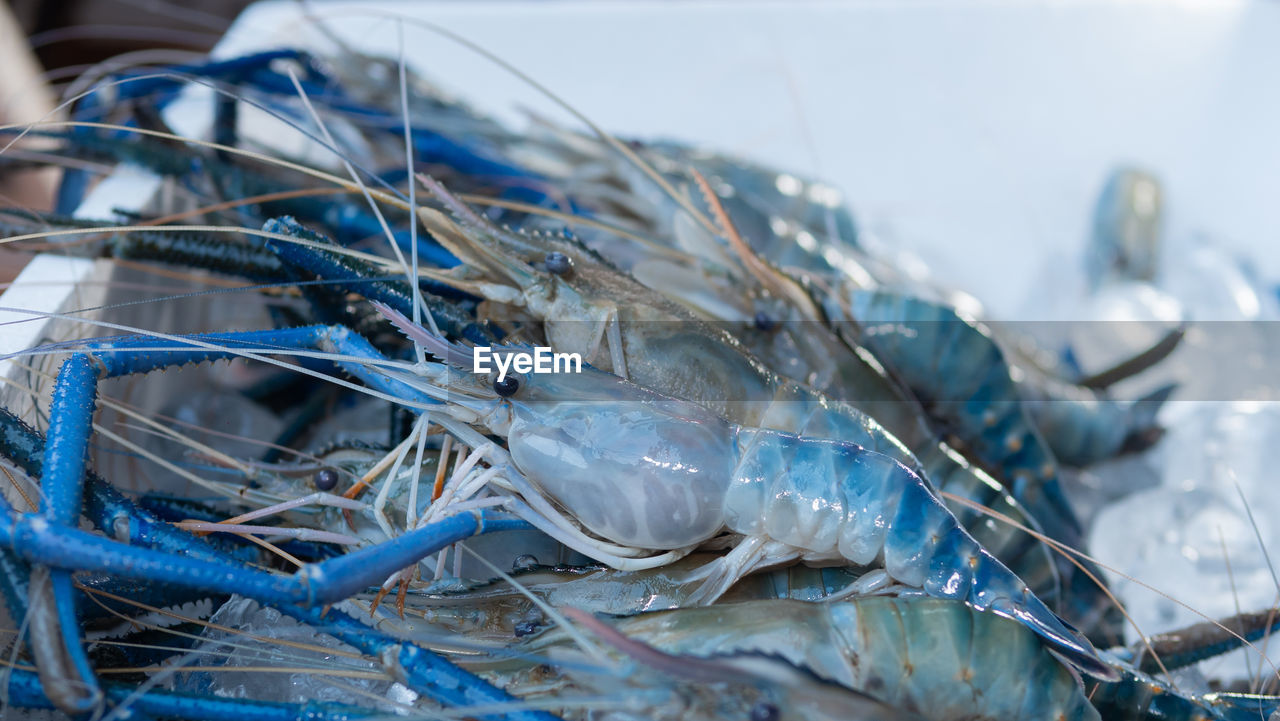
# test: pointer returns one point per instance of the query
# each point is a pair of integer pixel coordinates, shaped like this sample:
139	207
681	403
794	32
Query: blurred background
69	33
975	135
46	44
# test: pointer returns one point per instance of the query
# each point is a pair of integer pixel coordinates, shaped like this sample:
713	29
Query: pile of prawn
787	479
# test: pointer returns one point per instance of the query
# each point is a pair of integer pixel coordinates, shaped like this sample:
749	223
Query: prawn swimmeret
646	471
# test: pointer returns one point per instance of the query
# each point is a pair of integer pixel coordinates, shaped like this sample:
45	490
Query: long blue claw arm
74	399
105	506
26	691
33	538
1187	646
301	596
52	539
420	670
355	276
126	356
65	458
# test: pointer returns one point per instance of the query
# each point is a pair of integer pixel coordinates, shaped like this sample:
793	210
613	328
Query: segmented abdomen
836	500
962	376
941	659
946	660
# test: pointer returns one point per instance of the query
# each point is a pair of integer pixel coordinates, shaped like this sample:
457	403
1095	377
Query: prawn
649	471
915	654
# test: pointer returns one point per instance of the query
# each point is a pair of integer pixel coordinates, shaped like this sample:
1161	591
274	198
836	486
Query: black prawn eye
506	386
558	263
764	322
326	479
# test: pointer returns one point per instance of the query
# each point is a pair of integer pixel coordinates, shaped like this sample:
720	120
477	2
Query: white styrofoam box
48	284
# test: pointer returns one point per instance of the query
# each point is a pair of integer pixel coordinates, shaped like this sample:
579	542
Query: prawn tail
1065	641
1144	432
925	546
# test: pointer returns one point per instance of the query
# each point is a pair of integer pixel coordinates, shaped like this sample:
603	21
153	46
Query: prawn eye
506	386
765	711
764	322
558	263
326	479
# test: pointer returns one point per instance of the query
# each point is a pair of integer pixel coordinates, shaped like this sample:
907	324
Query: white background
977	133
